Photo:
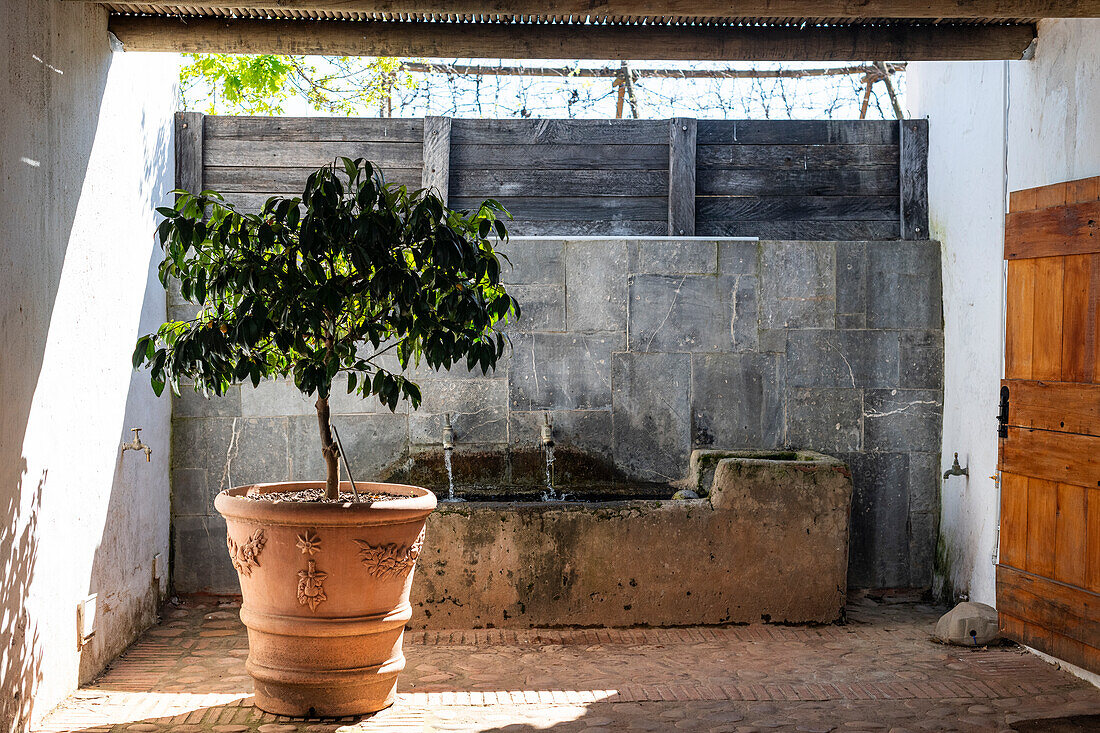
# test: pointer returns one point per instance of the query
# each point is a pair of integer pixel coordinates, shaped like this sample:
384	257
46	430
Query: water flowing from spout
450	475
550	494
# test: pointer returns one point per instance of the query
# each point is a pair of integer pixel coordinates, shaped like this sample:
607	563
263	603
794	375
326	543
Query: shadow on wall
56	198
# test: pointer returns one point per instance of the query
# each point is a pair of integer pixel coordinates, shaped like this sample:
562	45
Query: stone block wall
642	349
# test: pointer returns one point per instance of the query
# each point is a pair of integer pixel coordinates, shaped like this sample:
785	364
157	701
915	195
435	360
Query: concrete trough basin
767	542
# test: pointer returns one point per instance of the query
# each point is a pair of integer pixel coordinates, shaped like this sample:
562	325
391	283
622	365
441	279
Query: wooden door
1048	579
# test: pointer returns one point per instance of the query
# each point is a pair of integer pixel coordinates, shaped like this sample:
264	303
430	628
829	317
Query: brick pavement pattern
879	671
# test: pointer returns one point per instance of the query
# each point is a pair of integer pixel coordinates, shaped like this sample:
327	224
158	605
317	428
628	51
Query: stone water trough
768	541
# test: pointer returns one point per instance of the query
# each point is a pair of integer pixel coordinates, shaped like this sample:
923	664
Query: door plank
1046	343
1066	407
1057	457
1013	520
1093	541
1070	562
1042	510
1055	230
1020	320
1057	607
1078	320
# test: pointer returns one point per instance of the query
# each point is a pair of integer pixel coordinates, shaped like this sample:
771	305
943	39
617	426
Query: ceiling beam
835	9
524	41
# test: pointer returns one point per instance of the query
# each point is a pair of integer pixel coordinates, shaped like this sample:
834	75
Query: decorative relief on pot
310	589
309	543
392	560
246	556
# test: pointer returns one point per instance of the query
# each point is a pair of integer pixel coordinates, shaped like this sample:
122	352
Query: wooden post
189	151
681	176
436	171
913	175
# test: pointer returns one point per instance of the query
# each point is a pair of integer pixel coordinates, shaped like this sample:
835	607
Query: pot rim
418	503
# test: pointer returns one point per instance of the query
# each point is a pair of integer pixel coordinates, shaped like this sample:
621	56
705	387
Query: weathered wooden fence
813	179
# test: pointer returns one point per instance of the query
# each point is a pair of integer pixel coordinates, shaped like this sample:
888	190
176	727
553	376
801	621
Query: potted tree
314	288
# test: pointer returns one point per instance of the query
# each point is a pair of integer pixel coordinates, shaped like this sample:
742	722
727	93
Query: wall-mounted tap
136	444
448	433
956	469
547	432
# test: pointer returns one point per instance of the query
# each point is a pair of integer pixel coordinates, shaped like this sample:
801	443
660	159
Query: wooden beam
682	132
436	170
189	134
913	177
529	41
831	9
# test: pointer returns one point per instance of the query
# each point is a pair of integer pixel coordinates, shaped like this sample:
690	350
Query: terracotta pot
326	594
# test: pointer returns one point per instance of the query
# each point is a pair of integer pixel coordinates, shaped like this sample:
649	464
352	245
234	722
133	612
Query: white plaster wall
85	155
994	127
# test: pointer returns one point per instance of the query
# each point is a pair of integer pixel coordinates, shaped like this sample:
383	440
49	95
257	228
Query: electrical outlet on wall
85	620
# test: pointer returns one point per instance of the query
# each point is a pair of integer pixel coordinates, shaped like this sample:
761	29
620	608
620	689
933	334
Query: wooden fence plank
609	228
1060	406
265	179
798	132
681	177
797	157
436	171
561	157
787	208
613	208
277	153
517	182
1056	457
1058	230
1093	542
189	147
820	230
1079	318
316	129
828	182
557	132
914	179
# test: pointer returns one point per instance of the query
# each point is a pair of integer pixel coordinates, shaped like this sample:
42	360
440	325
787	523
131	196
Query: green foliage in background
261	85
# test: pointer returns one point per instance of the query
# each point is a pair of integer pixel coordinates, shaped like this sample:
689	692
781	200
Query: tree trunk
329	450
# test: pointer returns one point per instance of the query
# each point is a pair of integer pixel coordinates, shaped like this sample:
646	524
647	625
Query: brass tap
136	444
448	433
956	469
547	431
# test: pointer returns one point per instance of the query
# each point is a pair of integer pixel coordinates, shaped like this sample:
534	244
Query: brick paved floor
880	671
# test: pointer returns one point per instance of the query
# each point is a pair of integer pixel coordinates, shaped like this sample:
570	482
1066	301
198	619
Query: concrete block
904	287
275	397
738	257
924	531
596	285
567	371
200	562
542	308
590	429
372	442
797	285
851	283
827	420
921	360
771	340
533	261
902	419
737	400
687	312
190	403
842	358
652	414
473	423
674	257
925	476
190	494
879	556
